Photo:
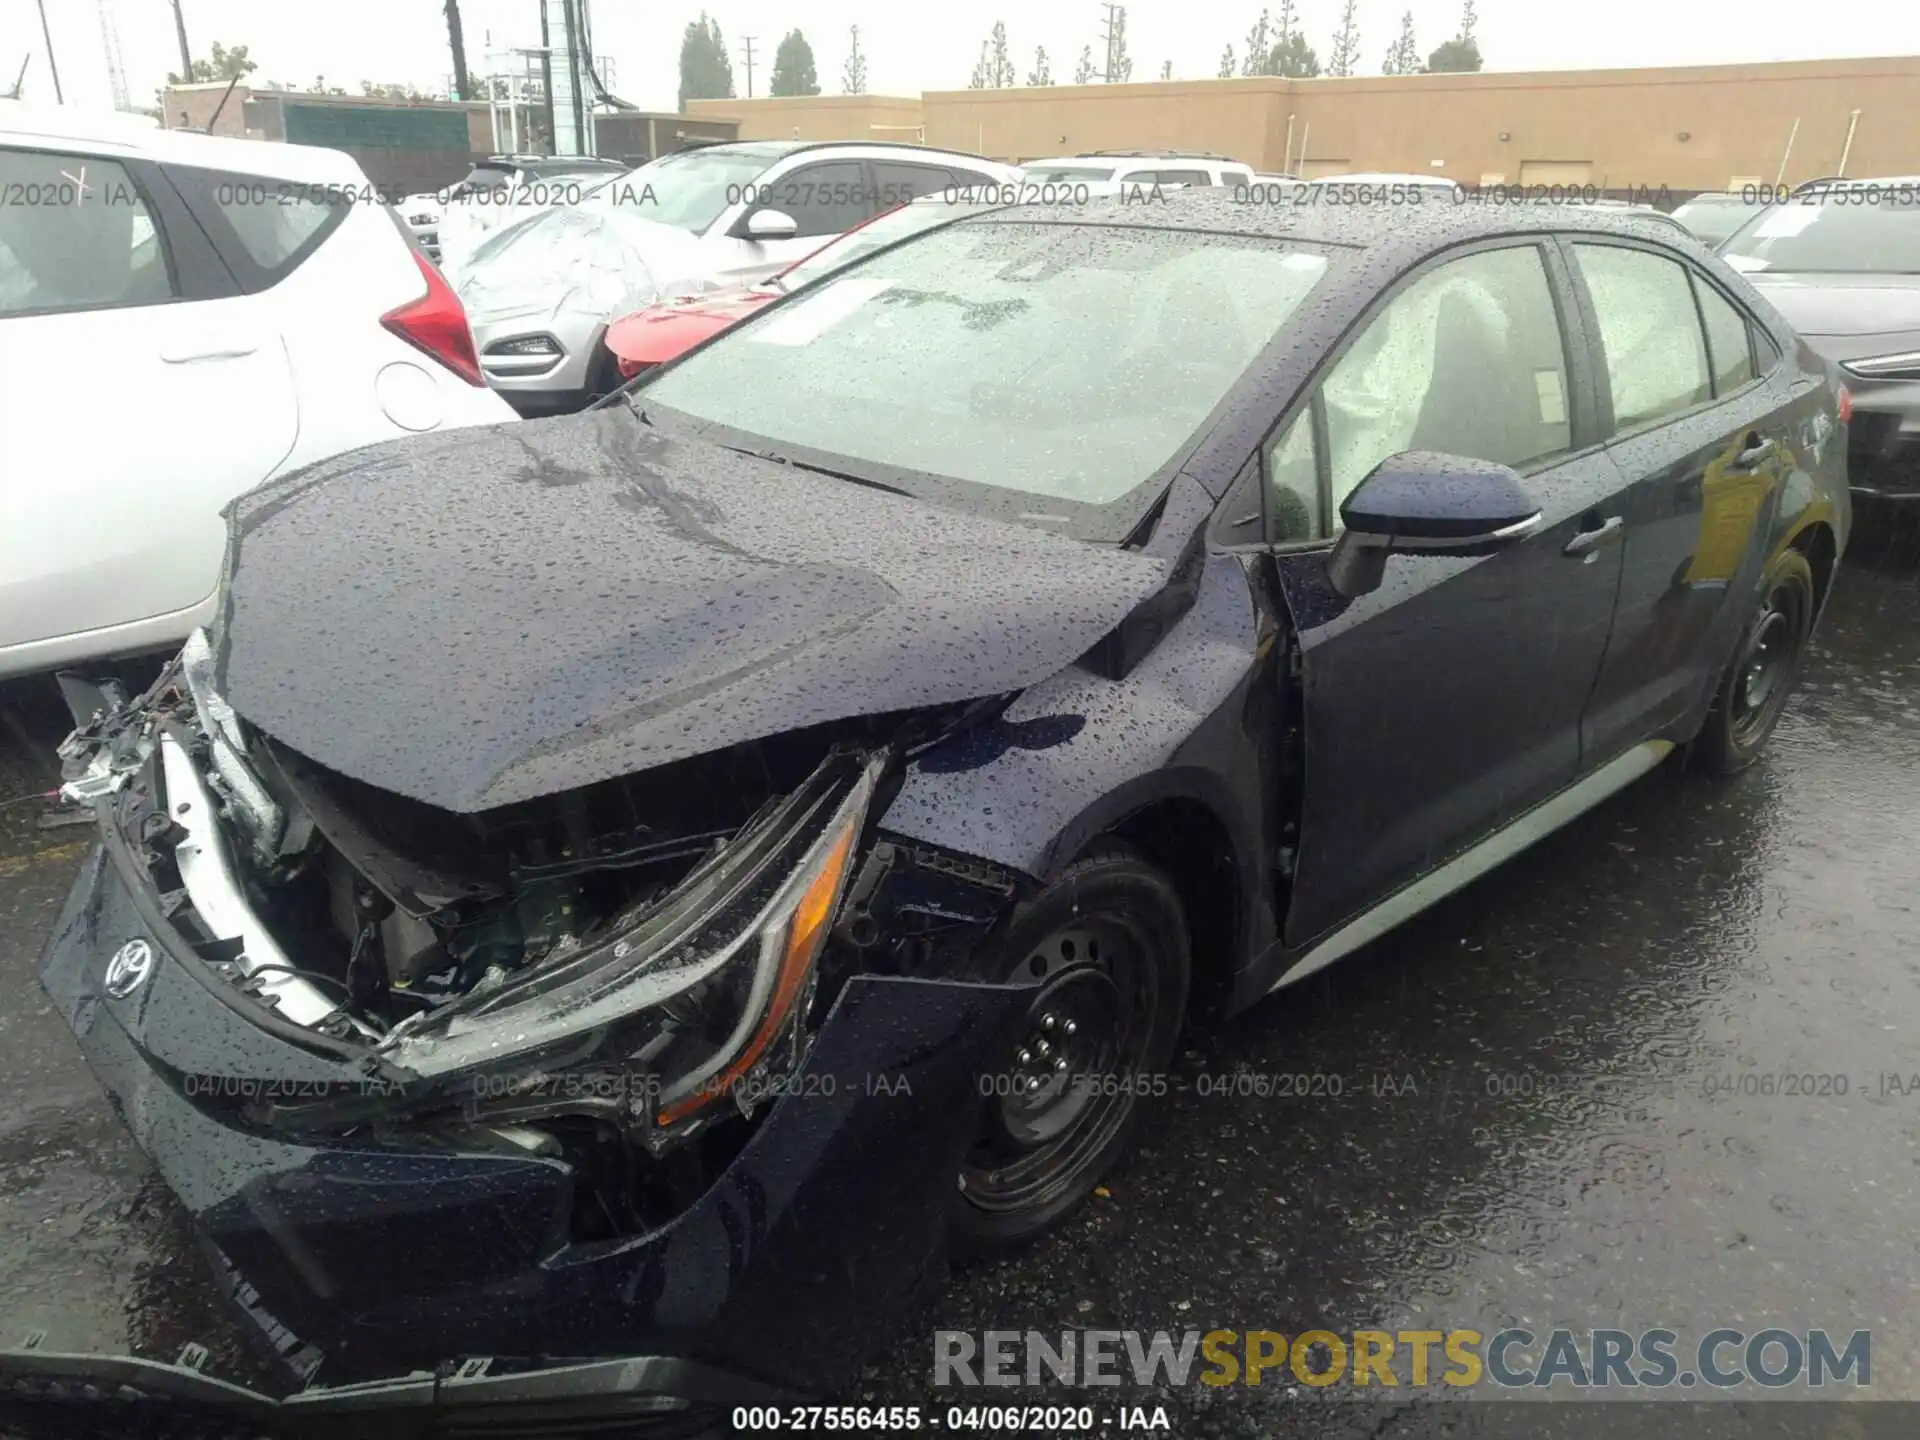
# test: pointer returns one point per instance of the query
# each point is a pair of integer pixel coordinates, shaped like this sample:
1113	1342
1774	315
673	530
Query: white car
1141	167
450	223
543	290
181	318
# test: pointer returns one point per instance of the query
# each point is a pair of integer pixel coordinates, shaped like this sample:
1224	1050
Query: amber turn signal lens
806	931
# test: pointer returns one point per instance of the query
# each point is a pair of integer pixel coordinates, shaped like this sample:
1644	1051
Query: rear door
1448	701
142	391
1700	413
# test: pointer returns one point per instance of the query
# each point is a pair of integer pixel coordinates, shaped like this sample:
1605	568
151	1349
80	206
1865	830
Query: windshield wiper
790	462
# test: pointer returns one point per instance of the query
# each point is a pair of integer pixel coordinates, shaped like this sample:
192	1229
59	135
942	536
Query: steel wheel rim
1766	664
1033	1147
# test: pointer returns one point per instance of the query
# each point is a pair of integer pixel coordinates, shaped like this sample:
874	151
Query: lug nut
1070	1027
1026	1057
1046	1022
1061	1064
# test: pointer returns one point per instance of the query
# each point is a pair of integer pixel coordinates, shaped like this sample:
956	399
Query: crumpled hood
578	257
493	614
1842	304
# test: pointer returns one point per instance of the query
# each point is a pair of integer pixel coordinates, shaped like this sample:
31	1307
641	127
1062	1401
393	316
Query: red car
669	328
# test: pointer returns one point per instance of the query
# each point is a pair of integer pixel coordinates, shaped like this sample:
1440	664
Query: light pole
186	55
47	35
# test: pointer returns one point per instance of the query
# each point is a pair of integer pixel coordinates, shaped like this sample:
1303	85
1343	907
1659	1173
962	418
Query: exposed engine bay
618	966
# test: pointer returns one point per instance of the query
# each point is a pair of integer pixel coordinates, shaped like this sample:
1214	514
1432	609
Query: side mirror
1423	503
772	225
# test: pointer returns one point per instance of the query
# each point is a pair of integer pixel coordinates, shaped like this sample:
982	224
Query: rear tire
1765	664
1107	944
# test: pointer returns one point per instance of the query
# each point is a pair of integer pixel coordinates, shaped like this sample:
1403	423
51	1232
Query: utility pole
748	40
47	35
186	55
1115	13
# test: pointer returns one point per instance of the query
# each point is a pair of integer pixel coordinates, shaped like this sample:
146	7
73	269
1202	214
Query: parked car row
651	882
247	315
449	224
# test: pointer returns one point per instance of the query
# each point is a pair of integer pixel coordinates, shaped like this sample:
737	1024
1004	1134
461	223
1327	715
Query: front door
1447	701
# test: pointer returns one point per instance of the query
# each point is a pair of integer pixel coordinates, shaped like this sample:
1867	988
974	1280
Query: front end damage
663	1067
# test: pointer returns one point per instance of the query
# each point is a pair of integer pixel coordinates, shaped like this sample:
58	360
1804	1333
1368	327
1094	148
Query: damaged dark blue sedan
651	884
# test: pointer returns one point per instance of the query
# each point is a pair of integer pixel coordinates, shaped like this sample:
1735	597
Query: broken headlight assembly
660	1011
689	1001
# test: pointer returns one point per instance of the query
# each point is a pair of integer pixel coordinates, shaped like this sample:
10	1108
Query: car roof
780	149
1409	230
111	133
1096	155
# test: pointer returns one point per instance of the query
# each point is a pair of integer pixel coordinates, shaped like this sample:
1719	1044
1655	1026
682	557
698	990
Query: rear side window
899	183
1729	344
263	228
1169	177
76	234
1650	331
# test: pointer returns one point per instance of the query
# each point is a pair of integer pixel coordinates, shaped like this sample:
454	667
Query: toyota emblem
130	966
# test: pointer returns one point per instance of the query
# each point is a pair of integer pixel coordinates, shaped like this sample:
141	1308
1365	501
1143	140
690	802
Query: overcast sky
923	45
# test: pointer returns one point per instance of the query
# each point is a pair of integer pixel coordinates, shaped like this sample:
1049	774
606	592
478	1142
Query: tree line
1275	45
706	69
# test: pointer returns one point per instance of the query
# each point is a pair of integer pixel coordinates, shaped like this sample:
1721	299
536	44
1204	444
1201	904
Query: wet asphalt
1549	1105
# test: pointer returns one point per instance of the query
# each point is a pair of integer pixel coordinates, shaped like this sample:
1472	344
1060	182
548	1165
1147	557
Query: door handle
185	352
1757	452
1605	533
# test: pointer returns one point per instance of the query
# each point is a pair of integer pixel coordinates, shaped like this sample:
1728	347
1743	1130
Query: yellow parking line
33	859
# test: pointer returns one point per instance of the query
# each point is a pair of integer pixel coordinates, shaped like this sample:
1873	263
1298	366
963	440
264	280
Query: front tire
1765	665
1106	944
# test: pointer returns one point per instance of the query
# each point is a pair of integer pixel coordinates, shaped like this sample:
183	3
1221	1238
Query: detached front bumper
373	1254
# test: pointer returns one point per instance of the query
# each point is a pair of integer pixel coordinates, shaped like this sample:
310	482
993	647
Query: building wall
1223	117
1618	127
817	117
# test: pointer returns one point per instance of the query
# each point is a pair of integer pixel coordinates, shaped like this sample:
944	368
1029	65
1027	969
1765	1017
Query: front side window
75	234
1467	360
1649	330
1050	369
1293	484
829	198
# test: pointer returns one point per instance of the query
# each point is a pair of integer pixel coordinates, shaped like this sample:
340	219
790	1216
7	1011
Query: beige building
818	117
1688	128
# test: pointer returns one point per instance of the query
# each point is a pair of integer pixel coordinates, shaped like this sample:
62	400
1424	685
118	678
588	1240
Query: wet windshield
1712	218
687	190
1067	363
876	234
1872	229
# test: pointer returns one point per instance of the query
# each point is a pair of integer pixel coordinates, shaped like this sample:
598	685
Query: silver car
540	292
